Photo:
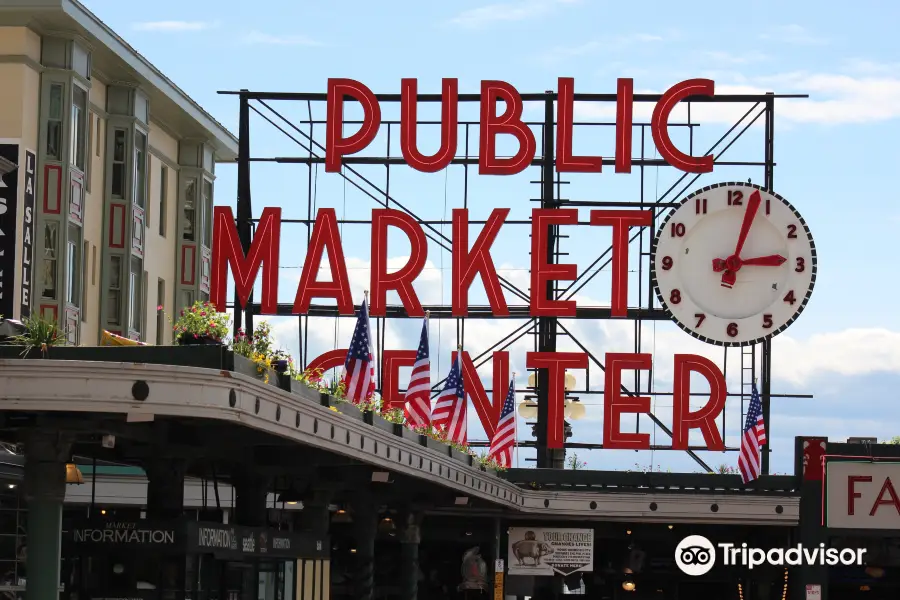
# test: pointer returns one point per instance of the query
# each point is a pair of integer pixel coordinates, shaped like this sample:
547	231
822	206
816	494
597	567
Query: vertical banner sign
28	232
9	196
498	579
540	551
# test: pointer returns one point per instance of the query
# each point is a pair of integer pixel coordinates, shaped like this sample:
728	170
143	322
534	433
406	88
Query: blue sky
835	152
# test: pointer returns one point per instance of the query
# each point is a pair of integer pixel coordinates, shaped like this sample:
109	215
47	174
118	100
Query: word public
510	122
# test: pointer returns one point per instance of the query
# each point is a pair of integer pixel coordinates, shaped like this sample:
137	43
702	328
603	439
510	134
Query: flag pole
512	383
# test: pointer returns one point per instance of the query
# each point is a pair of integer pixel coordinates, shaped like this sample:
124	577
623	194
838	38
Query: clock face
734	264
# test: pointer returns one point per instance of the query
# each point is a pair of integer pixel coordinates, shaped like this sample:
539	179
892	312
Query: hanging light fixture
570	382
73	474
576	410
628	585
528	409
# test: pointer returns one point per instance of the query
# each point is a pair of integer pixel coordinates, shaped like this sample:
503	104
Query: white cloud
561	53
793	34
736	59
506	11
267	39
835	99
174	26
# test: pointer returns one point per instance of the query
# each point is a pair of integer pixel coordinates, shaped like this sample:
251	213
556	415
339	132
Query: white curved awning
176	391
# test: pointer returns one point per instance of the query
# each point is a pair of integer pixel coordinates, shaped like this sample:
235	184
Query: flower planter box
245	366
405	432
205	357
19	352
376	420
463	457
436	445
350	410
304	391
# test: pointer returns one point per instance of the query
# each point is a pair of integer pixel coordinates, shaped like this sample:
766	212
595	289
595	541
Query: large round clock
733	264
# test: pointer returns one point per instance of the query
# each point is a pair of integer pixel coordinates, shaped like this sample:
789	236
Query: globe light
570	382
532	381
528	410
576	410
628	585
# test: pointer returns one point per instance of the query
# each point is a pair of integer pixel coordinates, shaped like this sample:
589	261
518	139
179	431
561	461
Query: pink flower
203	314
160	307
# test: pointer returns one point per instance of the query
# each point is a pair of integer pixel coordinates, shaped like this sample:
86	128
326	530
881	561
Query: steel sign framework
295	117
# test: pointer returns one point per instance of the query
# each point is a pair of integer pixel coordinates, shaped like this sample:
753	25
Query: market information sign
862	495
235	541
28	232
9	197
120	533
538	551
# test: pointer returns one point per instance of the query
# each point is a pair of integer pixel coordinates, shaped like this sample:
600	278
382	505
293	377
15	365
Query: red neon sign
510	122
473	259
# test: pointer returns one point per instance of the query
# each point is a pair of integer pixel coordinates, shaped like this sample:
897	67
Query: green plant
39	333
394	415
894	440
573	463
202	320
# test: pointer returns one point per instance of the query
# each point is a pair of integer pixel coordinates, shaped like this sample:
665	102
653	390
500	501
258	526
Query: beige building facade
108	178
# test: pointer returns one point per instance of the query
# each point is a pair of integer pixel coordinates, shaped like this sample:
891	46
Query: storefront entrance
131	560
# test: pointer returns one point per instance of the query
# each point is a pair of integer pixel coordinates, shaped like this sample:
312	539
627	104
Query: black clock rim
655	283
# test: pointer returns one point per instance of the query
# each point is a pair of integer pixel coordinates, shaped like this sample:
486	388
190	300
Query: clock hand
752	207
773	260
733	262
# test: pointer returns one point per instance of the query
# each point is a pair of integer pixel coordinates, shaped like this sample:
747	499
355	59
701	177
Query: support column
165	487
410	538
315	516
365	525
250	508
165	501
547	458
46	453
808	470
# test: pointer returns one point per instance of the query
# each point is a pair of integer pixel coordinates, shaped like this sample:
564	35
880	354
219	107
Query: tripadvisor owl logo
695	555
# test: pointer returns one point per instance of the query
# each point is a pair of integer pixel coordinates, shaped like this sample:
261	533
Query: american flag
358	375
753	439
418	393
505	436
450	409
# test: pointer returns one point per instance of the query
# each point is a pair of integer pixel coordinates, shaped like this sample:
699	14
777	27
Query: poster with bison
545	551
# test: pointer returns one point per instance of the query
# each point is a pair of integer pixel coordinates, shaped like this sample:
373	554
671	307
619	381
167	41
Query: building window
134	299
84	287
207	212
114	293
118	163
187	298
77	128
73	268
94	265
190	214
51	249
97	136
163	198
160	312
55	122
140	168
